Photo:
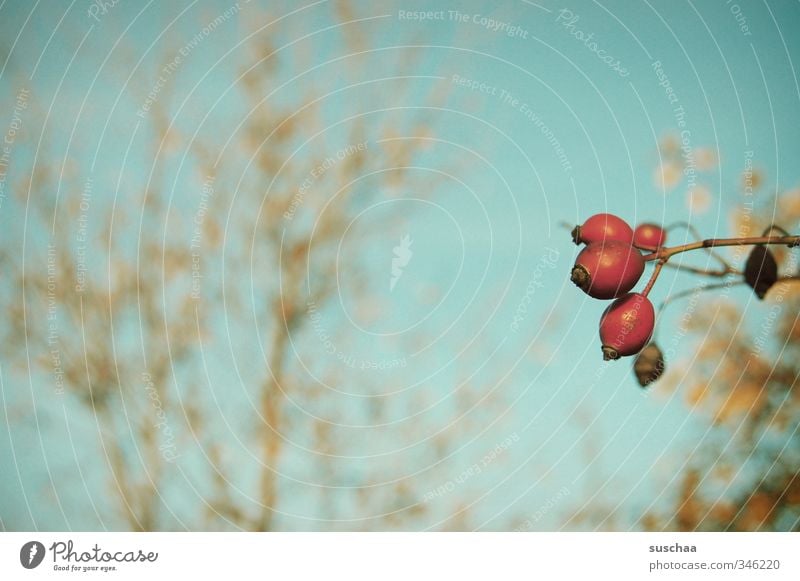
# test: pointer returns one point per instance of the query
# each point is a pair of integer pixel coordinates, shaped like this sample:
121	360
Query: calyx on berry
607	270
626	326
602	228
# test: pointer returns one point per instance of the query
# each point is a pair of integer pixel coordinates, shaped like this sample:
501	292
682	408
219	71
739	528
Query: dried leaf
649	365
761	270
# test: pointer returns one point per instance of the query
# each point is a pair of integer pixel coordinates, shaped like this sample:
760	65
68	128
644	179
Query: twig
715	286
698	289
667	253
659	265
715	273
694	232
771	227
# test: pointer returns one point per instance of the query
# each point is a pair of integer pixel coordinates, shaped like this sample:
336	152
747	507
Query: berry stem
659	265
667	253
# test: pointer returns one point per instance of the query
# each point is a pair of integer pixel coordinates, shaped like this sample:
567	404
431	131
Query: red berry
603	228
626	326
649	236
607	270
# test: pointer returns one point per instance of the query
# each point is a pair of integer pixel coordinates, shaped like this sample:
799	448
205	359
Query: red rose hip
649	236
603	228
607	270
626	326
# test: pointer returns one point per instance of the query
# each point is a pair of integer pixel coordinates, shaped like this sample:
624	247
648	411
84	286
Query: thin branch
659	265
697	236
771	227
713	273
714	286
667	253
699	289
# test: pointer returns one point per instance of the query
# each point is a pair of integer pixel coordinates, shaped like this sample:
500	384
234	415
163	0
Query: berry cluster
612	261
608	267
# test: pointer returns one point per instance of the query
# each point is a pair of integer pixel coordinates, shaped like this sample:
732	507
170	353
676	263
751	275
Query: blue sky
537	129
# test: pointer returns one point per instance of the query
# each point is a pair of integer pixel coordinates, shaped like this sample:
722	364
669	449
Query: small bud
649	365
761	270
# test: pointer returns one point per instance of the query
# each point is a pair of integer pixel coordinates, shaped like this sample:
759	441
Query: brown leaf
761	270
649	365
